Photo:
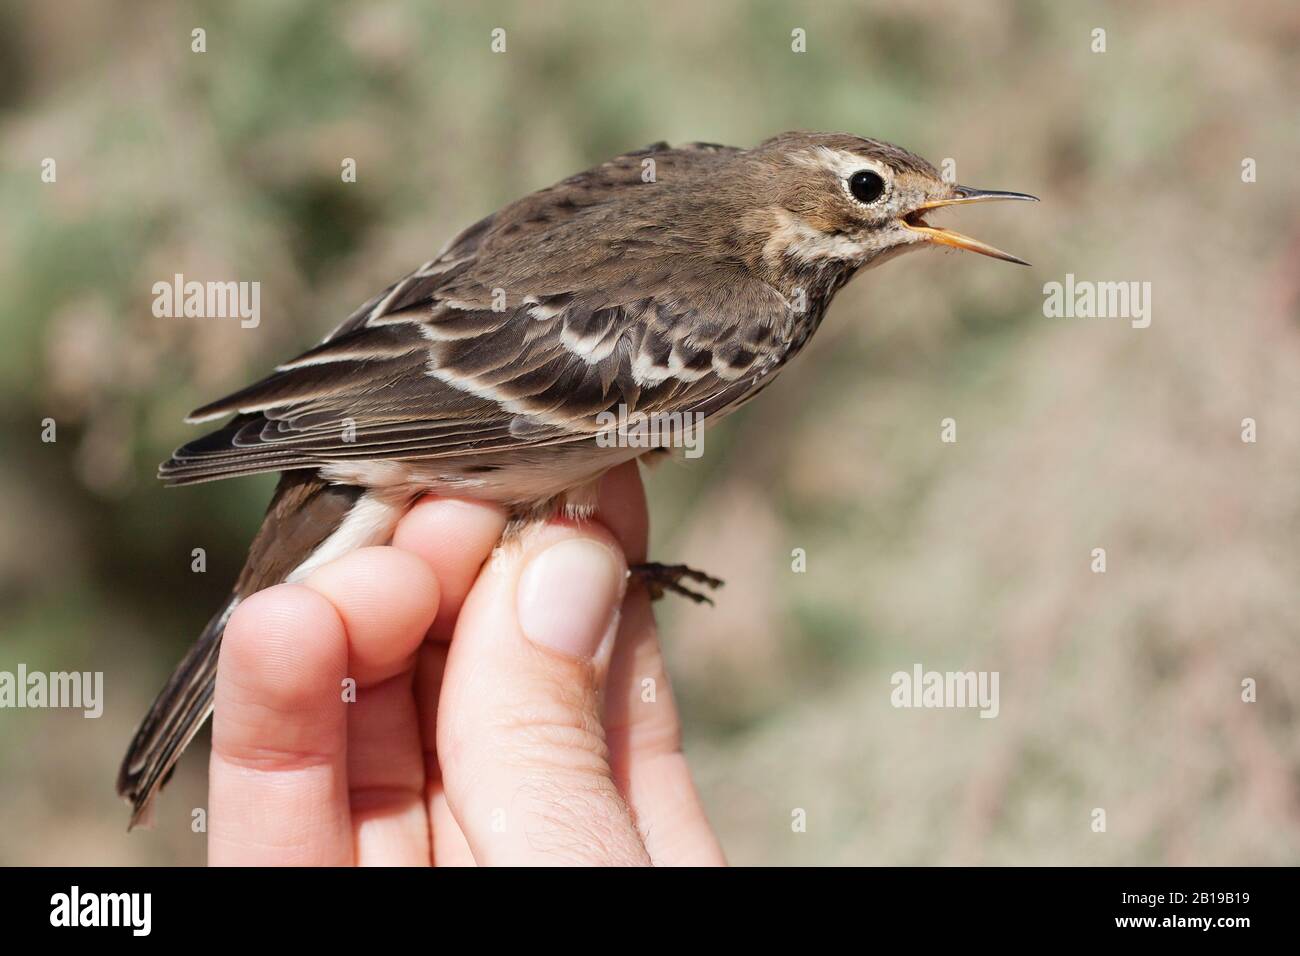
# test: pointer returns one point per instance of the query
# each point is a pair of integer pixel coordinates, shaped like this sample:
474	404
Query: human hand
528	739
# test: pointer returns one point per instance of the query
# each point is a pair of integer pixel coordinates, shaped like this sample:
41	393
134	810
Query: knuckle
552	735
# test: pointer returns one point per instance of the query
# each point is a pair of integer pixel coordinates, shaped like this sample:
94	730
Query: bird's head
830	199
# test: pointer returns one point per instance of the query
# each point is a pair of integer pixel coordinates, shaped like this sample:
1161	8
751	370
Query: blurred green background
1119	690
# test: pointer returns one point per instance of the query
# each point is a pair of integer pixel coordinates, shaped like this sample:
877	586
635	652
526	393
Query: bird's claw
659	579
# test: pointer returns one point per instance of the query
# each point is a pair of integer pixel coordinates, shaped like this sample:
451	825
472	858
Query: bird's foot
662	578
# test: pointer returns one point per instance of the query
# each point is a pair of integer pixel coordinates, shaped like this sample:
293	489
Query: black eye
866	186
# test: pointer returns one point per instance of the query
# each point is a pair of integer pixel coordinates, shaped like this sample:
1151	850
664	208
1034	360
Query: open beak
962	195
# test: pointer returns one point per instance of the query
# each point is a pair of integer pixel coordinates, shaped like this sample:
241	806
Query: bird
666	281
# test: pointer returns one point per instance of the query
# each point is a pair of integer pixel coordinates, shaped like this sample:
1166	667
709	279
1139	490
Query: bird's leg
661	578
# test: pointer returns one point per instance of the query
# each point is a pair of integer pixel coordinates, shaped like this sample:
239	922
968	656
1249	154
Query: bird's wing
518	335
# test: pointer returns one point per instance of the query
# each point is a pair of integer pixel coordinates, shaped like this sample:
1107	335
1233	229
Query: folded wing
511	338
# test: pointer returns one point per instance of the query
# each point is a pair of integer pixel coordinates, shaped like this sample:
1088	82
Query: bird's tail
309	521
173	720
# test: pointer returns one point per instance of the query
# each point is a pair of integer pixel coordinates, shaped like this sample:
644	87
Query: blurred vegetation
1119	691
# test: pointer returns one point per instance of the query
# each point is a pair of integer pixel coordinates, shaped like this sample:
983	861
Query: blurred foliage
1118	691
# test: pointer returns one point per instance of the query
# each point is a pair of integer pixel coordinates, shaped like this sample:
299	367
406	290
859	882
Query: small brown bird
667	281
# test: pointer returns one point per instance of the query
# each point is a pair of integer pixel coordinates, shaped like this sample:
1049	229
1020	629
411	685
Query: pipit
665	282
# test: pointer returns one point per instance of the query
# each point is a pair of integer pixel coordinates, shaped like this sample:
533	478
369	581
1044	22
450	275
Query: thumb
520	741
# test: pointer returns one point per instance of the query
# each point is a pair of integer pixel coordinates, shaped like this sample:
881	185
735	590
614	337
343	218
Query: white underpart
370	521
368	473
518	477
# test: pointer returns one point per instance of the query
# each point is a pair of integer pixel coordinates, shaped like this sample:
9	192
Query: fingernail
568	596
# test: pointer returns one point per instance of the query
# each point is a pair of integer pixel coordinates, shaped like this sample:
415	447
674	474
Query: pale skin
501	716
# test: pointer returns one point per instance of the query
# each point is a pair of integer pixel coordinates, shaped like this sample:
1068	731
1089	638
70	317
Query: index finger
277	784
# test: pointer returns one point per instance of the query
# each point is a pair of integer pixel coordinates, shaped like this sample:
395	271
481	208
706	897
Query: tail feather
173	720
304	514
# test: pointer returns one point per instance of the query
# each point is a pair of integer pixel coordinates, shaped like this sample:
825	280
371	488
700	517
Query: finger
278	772
387	599
520	741
621	507
454	537
645	741
450	847
642	724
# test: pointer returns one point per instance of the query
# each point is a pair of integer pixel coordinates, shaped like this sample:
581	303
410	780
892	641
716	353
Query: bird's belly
540	478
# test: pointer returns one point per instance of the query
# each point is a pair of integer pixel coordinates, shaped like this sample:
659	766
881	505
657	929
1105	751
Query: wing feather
434	367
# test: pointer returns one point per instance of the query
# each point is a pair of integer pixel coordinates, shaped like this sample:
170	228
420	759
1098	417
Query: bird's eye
866	186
